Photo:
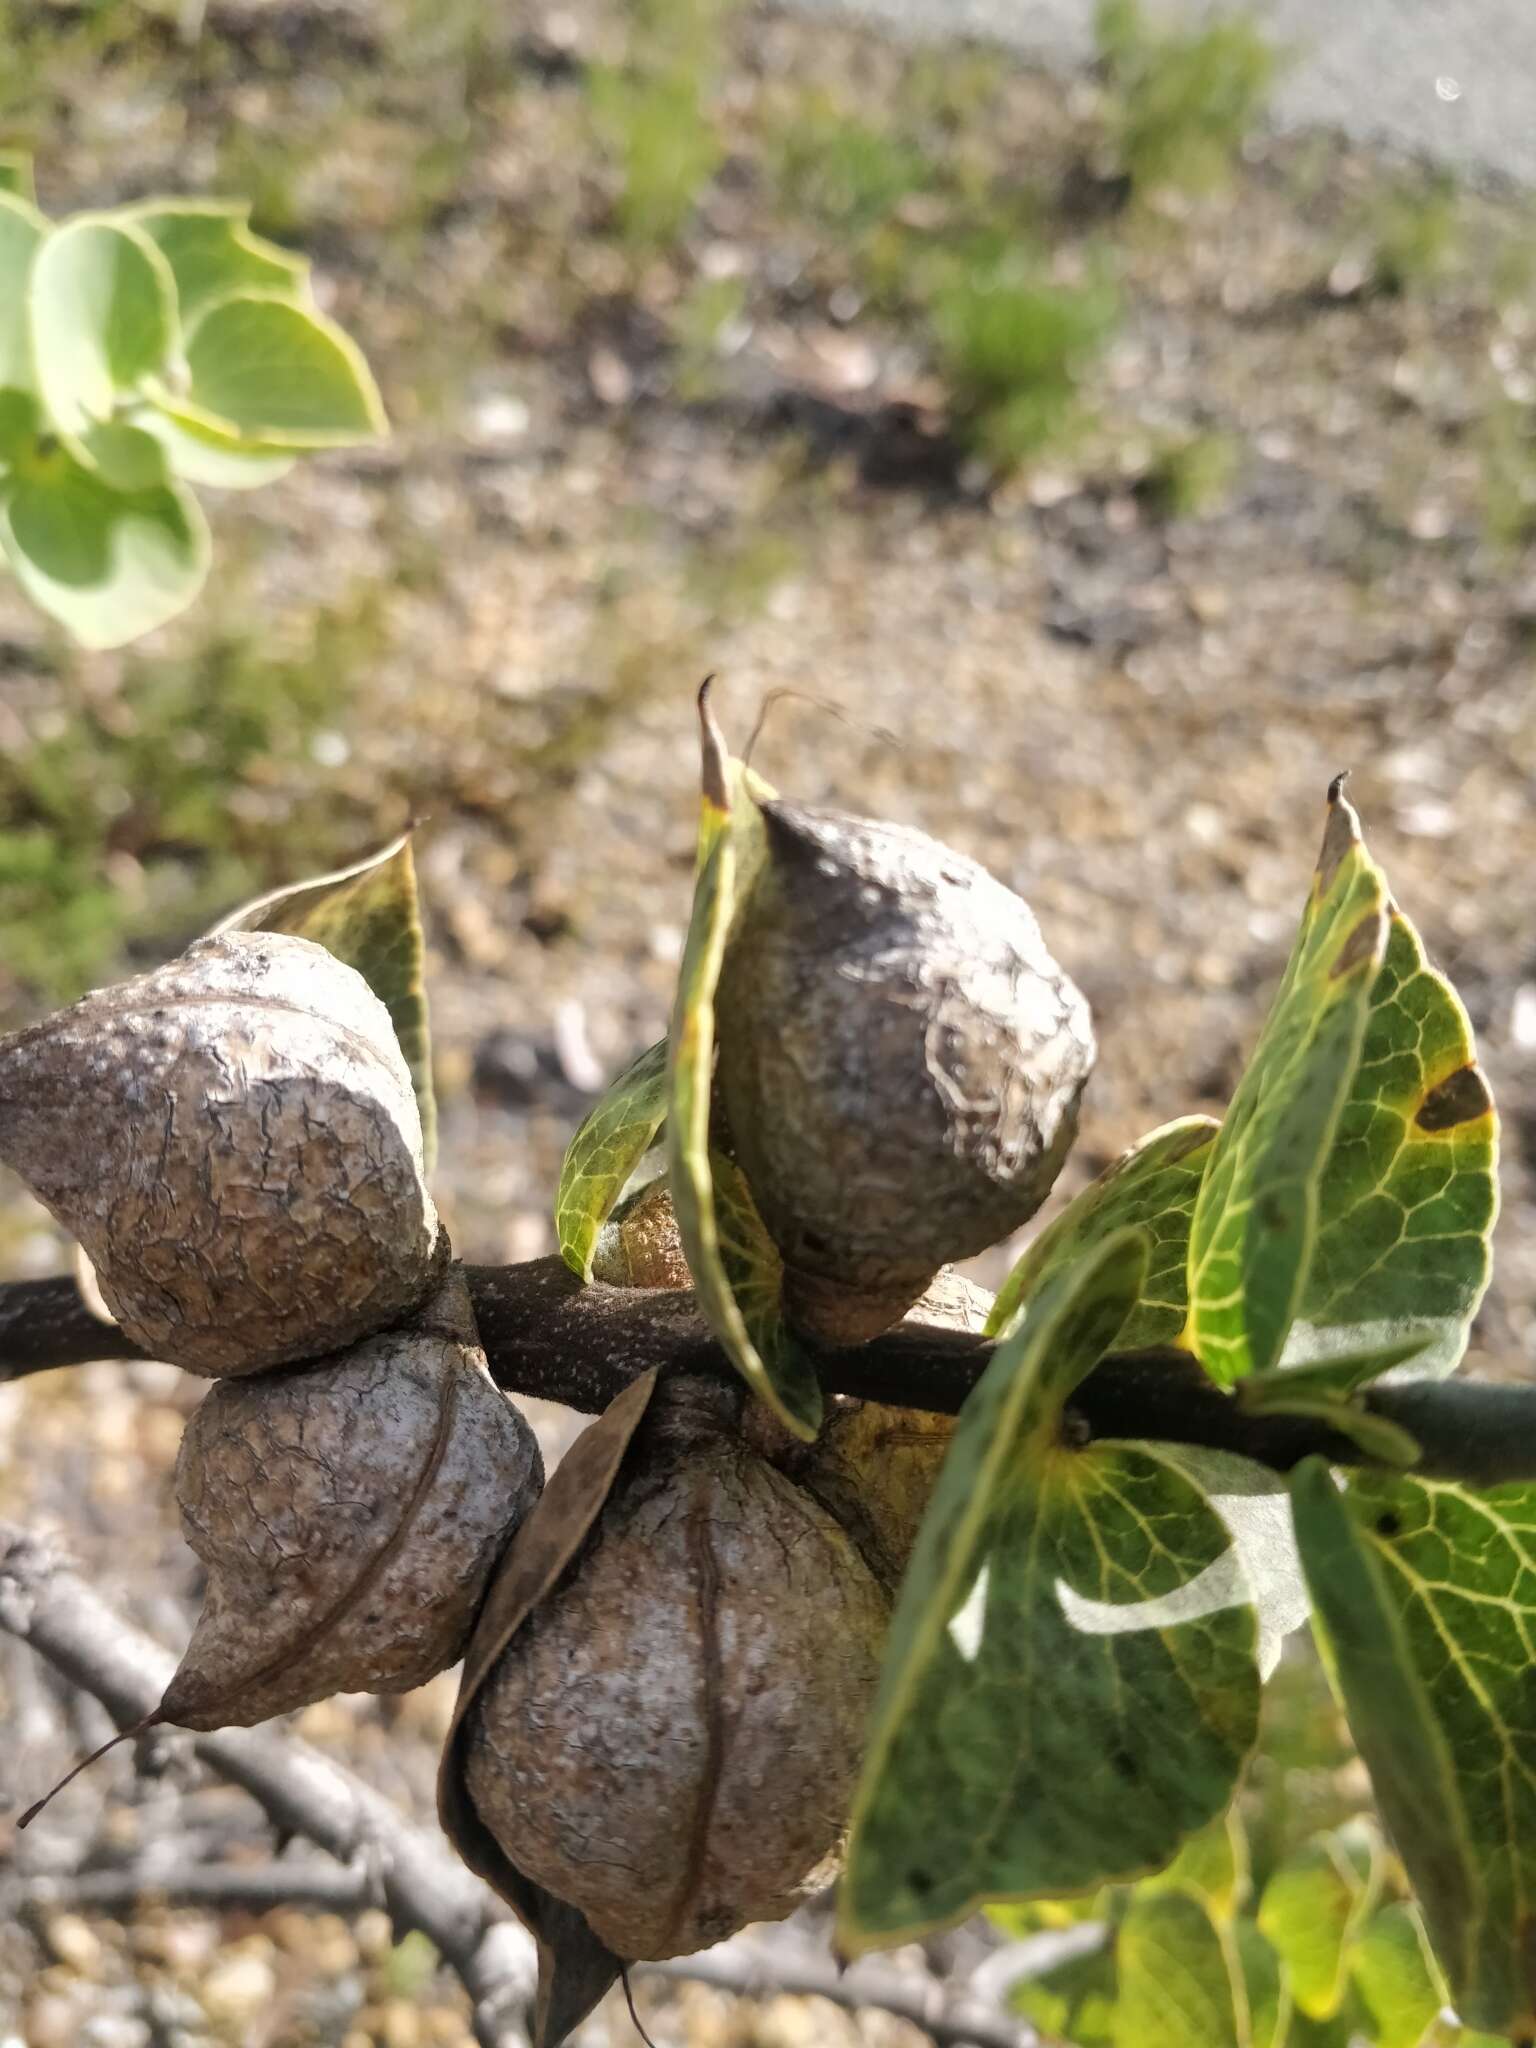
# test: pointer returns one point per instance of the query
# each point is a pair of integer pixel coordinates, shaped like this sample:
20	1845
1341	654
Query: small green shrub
842	171
1189	474
658	129
1012	343
1181	99
1413	235
144	350
652	116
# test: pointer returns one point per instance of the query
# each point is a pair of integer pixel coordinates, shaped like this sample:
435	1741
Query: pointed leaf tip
716	763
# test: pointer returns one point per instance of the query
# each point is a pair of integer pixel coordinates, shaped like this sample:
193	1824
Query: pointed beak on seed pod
349	1514
235	1142
900	1062
669	1741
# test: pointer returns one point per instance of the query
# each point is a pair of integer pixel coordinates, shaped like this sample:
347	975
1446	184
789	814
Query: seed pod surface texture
235	1141
349	1514
670	1741
900	1062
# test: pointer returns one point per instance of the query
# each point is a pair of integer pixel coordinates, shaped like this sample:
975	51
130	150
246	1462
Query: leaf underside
1060	1703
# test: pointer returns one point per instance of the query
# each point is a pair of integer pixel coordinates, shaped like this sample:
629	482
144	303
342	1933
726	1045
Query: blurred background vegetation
1091	472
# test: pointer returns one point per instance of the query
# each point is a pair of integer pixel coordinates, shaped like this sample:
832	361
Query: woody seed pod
349	1514
235	1142
669	1742
900	1062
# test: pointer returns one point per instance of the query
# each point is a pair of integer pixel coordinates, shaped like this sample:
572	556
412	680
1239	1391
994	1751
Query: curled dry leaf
575	1968
349	1514
669	1740
900	1062
235	1142
640	1244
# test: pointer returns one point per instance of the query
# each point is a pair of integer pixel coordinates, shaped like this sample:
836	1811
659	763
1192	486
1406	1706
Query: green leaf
22	228
1153	1186
201	454
266	369
1313	1907
1051	1714
1426	1598
609	1144
1409	1194
102	309
1394	1978
369	916
1386	1442
1262	1564
1073	2002
213	252
1265	1991
1176	1986
1212	1867
1256	1216
121	455
18	428
724	1241
16	175
109	565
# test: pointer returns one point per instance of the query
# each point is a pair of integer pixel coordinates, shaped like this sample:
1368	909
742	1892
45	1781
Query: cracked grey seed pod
900	1062
669	1743
349	1514
235	1142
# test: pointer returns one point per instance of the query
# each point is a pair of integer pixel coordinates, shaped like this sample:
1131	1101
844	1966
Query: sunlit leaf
18	427
16	175
1153	1186
369	916
726	1244
1409	1193
203	455
1256	1217
1426	1596
21	231
1212	1867
102	313
609	1144
1394	1978
212	252
1049	1717
1313	1907
109	565
124	458
1175	1983
1262	1564
276	372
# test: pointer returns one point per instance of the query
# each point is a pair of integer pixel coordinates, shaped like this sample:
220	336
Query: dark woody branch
548	1337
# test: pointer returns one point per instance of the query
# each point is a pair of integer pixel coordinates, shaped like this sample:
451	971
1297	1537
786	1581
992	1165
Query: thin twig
547	1336
420	1882
758	1966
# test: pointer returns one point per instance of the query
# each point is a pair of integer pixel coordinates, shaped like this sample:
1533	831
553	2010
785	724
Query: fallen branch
413	1873
548	1337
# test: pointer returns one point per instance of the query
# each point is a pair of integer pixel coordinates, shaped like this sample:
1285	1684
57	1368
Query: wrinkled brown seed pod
670	1741
640	1244
235	1142
900	1062
349	1514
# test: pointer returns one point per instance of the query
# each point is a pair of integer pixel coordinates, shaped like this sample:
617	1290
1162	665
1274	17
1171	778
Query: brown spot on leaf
1362	944
1461	1098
